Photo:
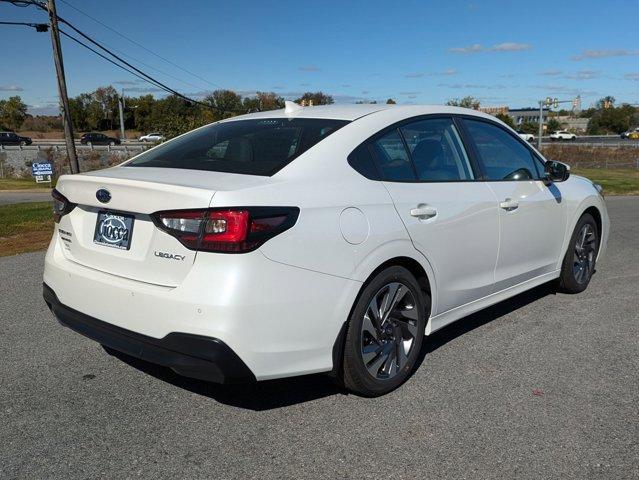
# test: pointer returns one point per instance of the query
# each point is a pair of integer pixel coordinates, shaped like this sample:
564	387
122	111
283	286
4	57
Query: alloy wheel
584	255
388	331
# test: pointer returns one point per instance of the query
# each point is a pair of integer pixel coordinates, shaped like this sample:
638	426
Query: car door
532	215
451	218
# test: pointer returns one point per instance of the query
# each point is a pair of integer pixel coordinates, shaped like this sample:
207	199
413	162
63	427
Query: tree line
172	115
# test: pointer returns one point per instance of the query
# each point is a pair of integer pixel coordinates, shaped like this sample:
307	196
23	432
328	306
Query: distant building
495	110
523	115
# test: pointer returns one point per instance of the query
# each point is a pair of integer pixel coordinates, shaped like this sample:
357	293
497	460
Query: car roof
354	111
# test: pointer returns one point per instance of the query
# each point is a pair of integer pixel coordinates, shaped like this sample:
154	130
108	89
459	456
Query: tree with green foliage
262	102
13	113
610	119
466	102
226	102
529	127
315	98
553	125
507	119
390	101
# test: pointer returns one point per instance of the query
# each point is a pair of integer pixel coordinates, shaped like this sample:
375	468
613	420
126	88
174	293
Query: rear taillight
61	205
226	230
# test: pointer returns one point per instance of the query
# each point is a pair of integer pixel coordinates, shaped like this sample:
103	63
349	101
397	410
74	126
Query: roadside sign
43	178
41	169
42	172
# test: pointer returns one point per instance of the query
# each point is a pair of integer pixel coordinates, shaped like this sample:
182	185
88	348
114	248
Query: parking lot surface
544	385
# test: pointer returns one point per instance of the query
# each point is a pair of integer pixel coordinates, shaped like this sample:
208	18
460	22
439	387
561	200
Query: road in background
8	197
543	385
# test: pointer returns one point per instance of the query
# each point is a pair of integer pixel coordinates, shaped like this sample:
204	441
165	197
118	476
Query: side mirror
556	171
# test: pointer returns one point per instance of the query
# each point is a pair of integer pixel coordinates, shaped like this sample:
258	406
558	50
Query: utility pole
121	108
541	124
62	88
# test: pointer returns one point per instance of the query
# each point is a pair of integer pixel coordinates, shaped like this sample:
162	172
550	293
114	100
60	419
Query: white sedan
315	239
563	135
152	137
529	137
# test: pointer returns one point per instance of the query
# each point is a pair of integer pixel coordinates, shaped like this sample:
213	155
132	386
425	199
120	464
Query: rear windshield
252	147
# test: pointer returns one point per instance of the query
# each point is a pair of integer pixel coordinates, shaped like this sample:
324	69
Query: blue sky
503	52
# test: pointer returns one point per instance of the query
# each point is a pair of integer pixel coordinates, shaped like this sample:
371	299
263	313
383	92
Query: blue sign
41	169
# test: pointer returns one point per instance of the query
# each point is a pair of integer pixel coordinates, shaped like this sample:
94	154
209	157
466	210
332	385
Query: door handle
423	212
509	204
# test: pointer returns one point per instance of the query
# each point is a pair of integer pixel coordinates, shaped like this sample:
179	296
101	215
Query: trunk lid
153	256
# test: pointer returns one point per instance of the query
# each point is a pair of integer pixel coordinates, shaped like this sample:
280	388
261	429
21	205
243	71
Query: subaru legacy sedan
315	239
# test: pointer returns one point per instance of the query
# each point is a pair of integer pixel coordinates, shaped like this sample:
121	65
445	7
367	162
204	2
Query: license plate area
113	229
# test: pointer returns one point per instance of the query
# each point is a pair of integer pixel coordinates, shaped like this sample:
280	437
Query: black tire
579	262
406	323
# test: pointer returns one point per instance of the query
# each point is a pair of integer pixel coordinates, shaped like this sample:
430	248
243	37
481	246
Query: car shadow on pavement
285	392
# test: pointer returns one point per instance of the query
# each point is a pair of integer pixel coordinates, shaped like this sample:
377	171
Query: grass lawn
25	227
22	184
614	182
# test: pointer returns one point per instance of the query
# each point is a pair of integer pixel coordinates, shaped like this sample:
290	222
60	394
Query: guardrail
138	147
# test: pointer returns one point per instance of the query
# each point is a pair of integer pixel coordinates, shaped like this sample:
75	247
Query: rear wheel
111	144
579	262
385	333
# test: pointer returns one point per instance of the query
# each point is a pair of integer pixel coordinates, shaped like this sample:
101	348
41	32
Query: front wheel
579	262
385	333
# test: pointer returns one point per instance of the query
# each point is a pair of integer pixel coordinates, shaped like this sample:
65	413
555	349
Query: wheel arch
425	279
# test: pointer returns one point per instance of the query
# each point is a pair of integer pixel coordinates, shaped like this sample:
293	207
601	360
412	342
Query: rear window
252	147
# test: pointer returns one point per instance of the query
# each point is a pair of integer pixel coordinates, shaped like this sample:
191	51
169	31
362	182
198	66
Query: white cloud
593	54
499	47
632	76
309	68
475	48
551	73
11	88
584	75
459	86
510	47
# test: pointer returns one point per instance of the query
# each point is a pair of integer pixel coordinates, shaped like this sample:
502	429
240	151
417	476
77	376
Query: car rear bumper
279	320
194	356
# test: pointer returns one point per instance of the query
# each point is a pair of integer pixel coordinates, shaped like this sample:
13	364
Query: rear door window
437	150
252	147
392	158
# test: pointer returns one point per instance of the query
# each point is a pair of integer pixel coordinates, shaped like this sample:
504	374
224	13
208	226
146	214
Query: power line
139	73
141	46
107	58
151	79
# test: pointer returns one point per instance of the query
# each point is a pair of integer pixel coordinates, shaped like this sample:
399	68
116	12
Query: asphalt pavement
8	197
542	386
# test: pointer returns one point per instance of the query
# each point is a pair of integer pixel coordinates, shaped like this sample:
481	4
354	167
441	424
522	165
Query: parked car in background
529	137
317	239
98	139
152	137
562	135
632	134
12	138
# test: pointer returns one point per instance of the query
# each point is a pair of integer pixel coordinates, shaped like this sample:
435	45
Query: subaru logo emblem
103	195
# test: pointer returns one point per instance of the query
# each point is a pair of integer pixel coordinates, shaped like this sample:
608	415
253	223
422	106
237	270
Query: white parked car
152	137
319	239
529	137
563	135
